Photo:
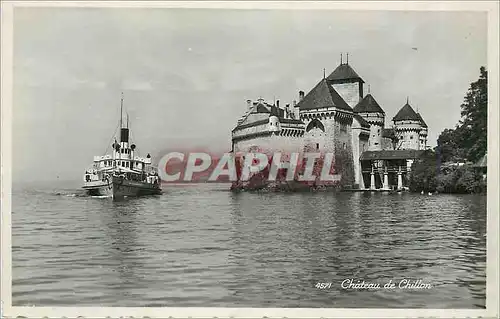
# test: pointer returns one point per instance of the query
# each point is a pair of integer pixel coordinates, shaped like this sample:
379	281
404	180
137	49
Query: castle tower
408	128
423	133
347	83
328	122
371	112
274	122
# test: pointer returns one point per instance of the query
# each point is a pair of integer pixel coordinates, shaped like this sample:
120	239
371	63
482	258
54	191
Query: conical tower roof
323	95
422	120
344	72
368	105
406	113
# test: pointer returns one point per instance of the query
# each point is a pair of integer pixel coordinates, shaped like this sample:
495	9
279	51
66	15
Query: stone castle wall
350	92
251	130
270	144
317	139
337	139
343	150
408	134
359	145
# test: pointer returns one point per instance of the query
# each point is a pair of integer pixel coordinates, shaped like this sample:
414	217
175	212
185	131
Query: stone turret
408	128
423	133
274	121
371	112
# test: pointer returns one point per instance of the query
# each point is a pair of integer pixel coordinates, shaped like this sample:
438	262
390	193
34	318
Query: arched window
315	123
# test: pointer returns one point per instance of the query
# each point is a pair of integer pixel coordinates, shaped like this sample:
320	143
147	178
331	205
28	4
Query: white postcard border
492	286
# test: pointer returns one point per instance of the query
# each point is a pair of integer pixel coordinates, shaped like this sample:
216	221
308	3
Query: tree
423	173
470	181
474	121
469	138
450	145
465	179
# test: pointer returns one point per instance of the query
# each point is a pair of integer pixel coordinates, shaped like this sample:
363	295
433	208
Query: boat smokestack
124	135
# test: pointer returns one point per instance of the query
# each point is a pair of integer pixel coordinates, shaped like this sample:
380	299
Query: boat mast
124	136
121	112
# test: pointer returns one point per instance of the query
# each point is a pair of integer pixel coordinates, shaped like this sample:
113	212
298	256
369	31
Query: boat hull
119	188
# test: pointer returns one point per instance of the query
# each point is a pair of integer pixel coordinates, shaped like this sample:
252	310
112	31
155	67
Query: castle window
411	137
317	146
343	146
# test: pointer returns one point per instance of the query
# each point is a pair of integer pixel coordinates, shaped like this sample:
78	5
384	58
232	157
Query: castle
336	116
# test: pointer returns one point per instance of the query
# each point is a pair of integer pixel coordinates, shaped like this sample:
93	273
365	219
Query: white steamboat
123	173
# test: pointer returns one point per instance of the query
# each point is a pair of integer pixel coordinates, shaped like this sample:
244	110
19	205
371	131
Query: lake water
201	245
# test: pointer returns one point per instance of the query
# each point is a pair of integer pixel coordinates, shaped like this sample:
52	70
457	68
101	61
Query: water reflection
198	247
329	238
121	227
473	245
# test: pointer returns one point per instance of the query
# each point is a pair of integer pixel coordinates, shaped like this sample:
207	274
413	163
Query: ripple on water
197	246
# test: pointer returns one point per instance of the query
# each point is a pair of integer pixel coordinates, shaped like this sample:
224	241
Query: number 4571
323	285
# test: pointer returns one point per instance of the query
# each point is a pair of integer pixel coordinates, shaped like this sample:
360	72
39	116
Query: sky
186	73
